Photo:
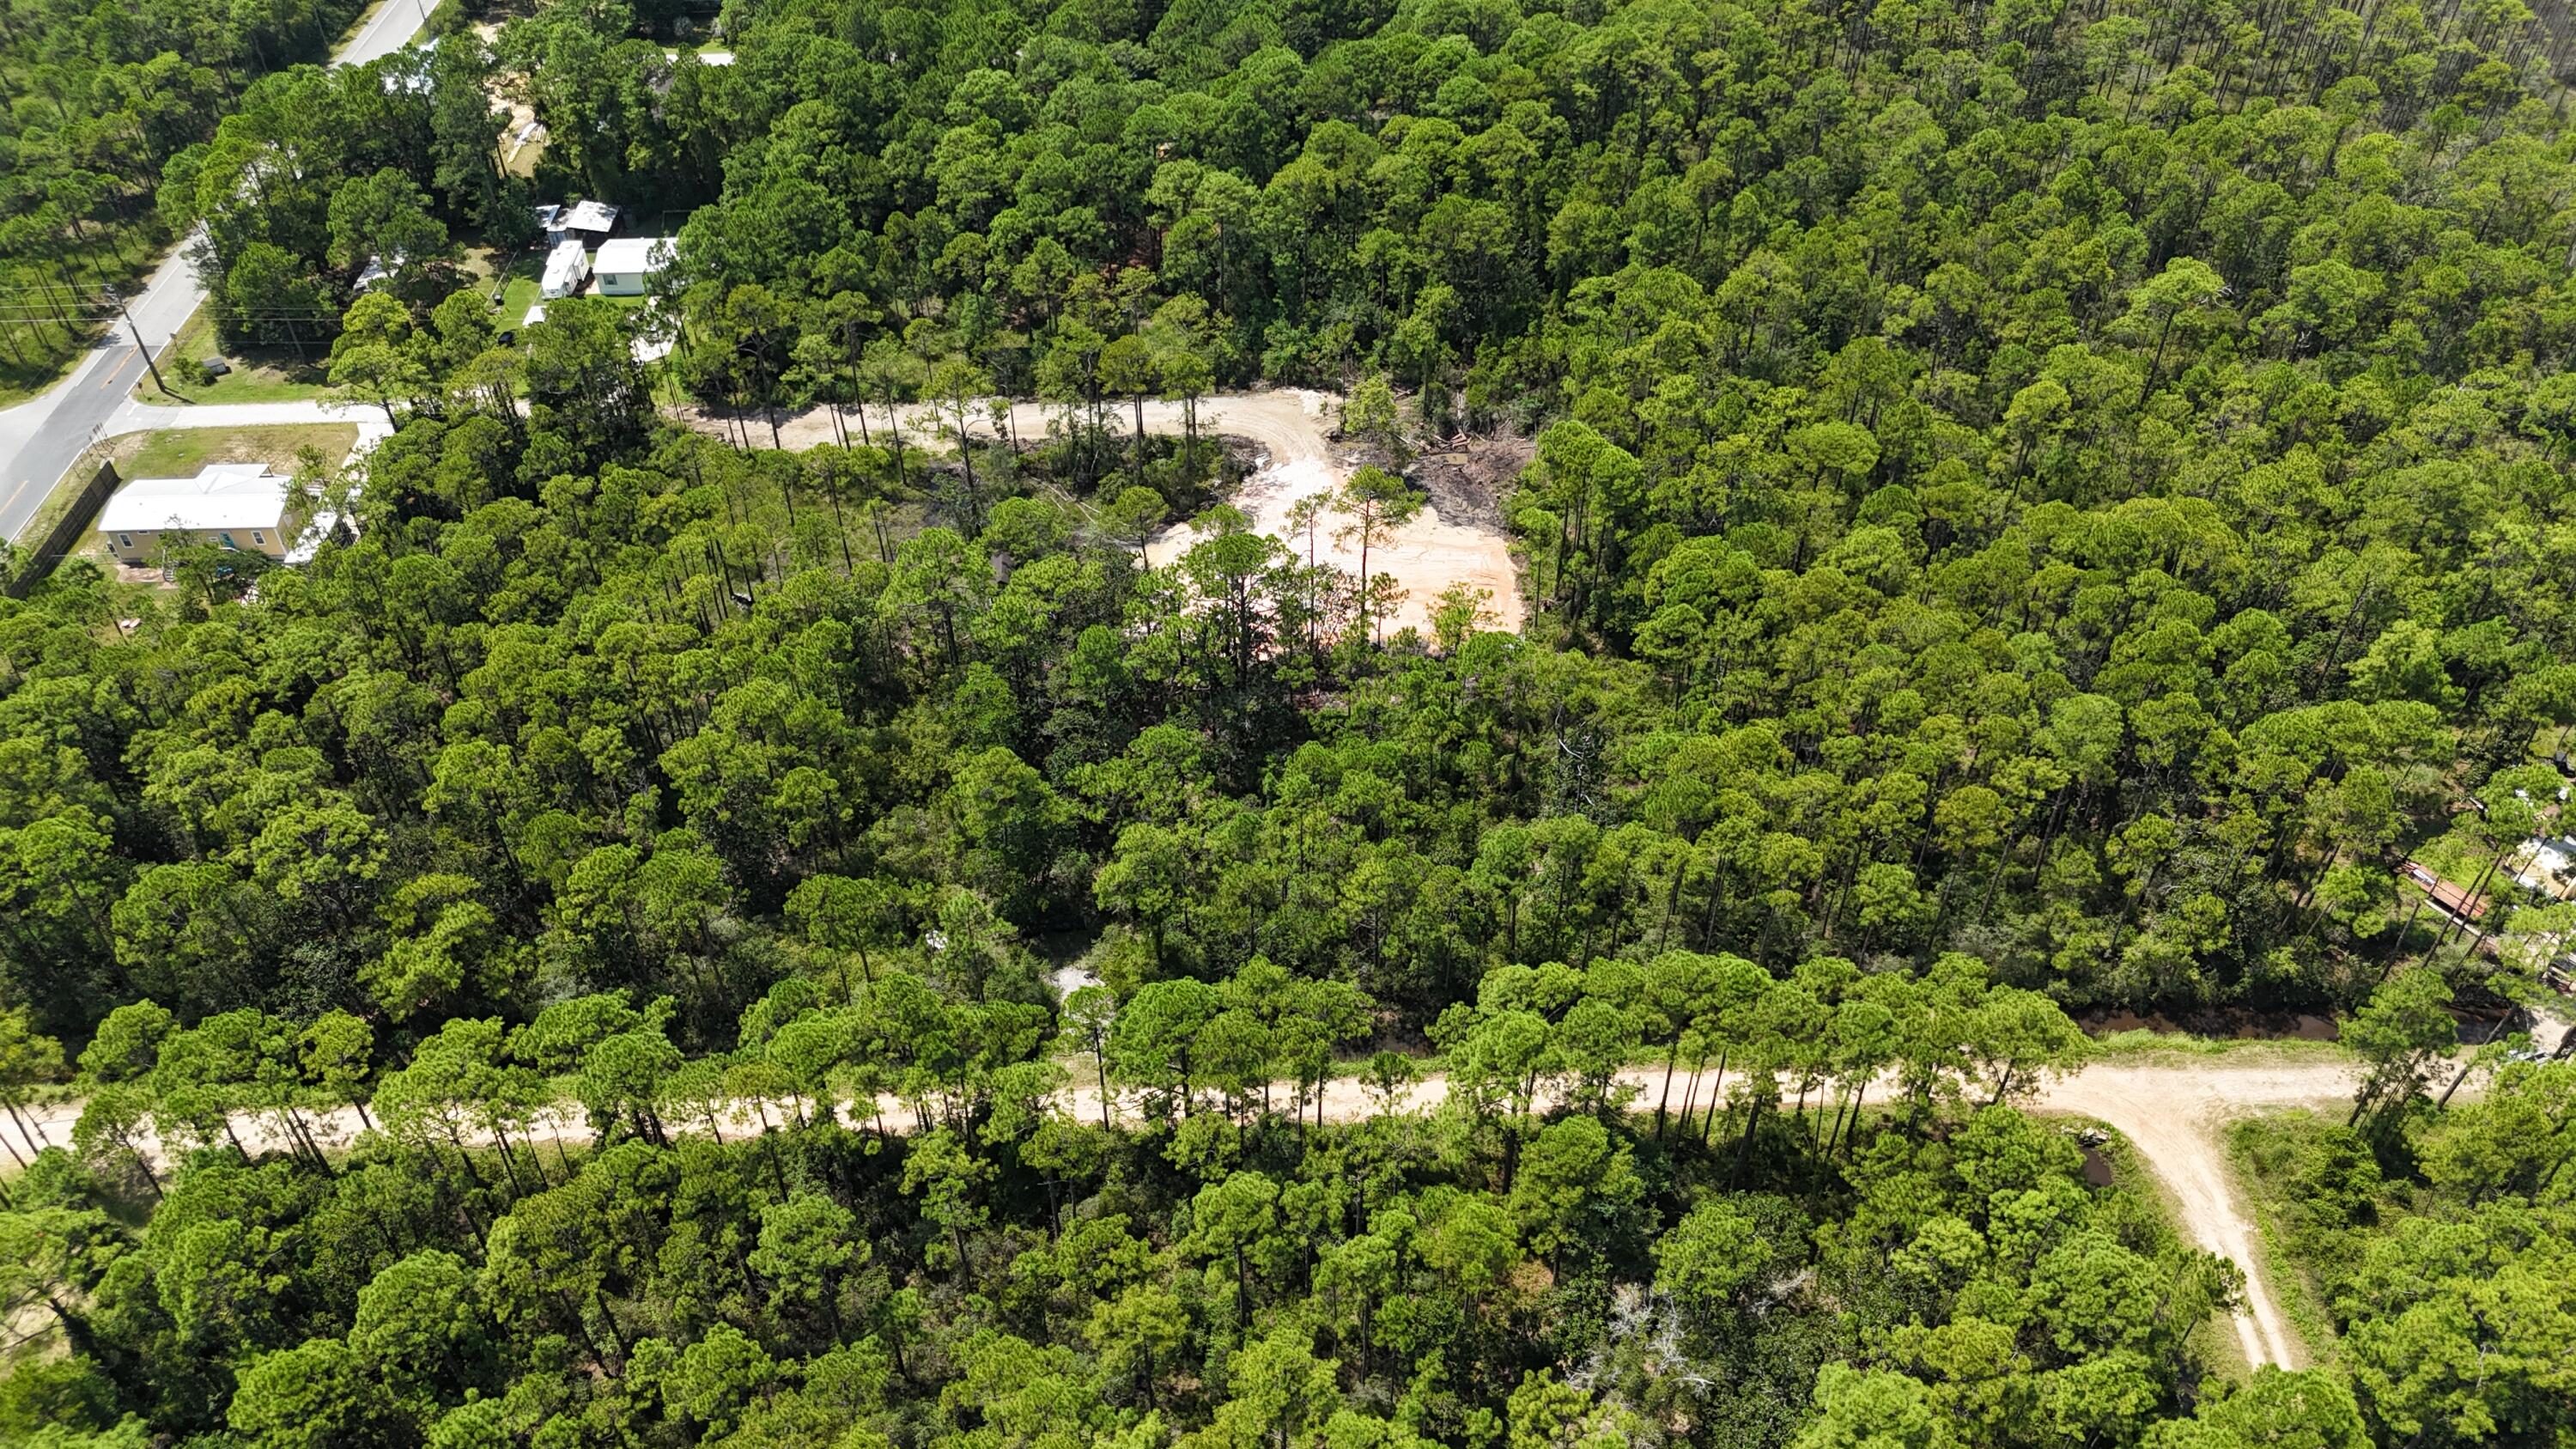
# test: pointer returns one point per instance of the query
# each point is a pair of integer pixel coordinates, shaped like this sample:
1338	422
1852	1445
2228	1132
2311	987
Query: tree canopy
2025	510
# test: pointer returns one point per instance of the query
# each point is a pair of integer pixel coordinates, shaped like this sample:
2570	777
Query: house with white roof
625	267
239	506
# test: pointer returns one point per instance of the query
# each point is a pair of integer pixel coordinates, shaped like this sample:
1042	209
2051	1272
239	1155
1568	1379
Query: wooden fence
38	556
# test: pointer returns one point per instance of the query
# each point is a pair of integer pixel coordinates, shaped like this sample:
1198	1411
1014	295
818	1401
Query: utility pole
139	345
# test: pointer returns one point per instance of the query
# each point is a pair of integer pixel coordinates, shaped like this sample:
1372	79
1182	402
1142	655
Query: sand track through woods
1293	429
2174	1114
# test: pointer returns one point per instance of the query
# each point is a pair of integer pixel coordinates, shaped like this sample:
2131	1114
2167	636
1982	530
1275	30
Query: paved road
41	437
387	28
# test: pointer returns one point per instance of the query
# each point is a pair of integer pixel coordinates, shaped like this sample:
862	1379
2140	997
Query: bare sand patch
1293	428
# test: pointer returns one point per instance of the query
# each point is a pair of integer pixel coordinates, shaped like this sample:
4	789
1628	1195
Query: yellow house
239	506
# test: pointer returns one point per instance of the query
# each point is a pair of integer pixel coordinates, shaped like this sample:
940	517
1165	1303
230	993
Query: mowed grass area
260	374
511	279
2153	1048
181	452
516	298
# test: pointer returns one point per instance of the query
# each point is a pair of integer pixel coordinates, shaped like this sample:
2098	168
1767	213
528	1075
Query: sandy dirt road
1292	427
2173	1114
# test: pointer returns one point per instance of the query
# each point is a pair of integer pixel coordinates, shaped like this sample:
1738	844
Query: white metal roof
633	254
588	216
316	534
226	495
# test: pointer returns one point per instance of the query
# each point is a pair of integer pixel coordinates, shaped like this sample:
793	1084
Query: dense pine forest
98	99
664	938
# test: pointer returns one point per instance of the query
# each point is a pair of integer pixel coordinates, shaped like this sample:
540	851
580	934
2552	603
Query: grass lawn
516	298
57	503
260	374
181	452
19	384
517	277
2143	1047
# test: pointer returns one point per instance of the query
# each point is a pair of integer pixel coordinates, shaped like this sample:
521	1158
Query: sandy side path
2176	1117
1292	427
2173	1113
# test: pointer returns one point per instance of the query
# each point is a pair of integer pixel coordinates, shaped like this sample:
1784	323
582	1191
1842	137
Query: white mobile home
567	267
626	266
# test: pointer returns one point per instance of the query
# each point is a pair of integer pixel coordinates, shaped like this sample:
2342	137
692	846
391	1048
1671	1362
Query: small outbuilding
589	218
583	221
625	267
